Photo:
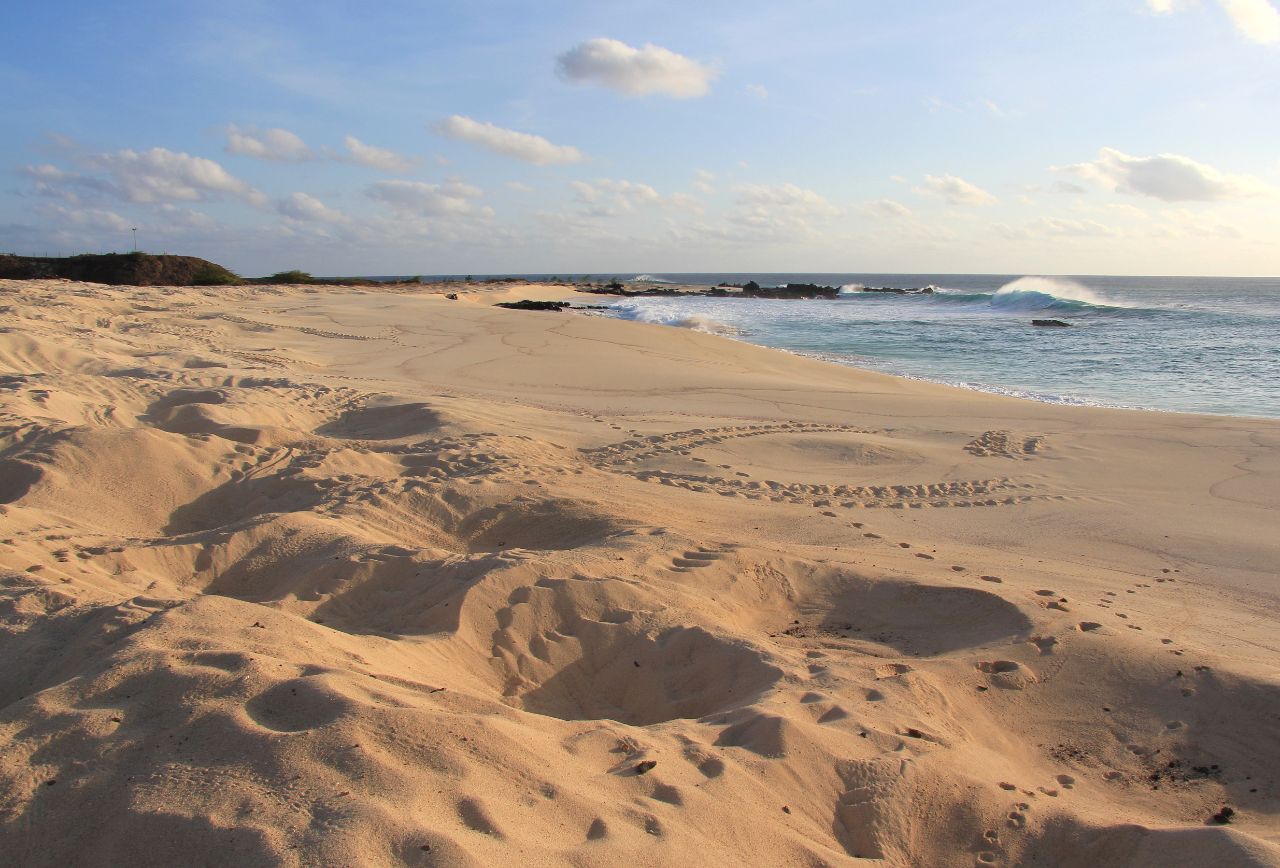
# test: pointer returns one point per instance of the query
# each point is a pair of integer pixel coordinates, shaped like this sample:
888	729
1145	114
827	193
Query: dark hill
129	269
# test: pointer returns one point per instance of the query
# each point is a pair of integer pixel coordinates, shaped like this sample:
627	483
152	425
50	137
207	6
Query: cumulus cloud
453	197
510	143
275	144
1168	177
634	71
160	175
955	190
759	91
1256	20
886	209
382	159
519	187
702	181
308	209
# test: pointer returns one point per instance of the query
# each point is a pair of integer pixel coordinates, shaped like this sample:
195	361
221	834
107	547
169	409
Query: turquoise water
1206	345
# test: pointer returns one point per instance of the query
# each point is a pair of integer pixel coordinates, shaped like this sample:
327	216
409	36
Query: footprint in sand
892	670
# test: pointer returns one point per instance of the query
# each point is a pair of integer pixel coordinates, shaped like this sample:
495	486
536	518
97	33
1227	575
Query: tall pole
135	239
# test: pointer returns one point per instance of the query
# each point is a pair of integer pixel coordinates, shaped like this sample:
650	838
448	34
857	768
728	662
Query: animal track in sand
1004	444
621	458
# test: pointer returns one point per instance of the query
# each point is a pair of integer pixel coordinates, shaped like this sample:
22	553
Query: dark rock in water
1050	323
526	304
789	291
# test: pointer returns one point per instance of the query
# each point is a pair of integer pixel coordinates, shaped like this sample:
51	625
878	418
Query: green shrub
294	276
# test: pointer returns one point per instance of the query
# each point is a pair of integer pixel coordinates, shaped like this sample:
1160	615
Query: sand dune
374	577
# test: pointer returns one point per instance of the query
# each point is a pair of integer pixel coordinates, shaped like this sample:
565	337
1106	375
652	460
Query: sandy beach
369	576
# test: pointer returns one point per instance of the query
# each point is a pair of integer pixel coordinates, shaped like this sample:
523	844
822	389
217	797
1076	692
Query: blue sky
1130	136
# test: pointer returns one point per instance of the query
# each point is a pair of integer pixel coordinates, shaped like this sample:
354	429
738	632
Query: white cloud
773	213
609	197
308	209
87	218
1168	177
510	143
519	187
955	190
1056	227
786	197
160	175
759	91
274	144
453	197
702	181
634	71
382	159
886	209
1257	20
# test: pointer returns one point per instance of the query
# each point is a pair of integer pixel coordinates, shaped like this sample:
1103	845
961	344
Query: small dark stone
452	296
786	810
914	733
1224	816
50	783
1050	323
645	767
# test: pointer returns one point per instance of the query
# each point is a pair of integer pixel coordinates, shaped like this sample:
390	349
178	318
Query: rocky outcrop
120	269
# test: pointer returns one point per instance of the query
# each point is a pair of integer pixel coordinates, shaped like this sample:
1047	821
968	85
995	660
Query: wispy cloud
634	71
275	144
955	190
308	209
886	209
382	159
510	143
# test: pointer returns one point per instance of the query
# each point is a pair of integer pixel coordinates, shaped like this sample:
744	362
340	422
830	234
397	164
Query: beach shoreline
464	582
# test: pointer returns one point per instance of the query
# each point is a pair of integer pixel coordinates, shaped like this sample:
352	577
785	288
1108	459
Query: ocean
1192	344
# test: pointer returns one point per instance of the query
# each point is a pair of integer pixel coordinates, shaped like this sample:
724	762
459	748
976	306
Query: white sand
371	577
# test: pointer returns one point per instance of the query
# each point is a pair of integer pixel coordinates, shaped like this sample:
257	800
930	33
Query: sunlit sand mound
298	576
